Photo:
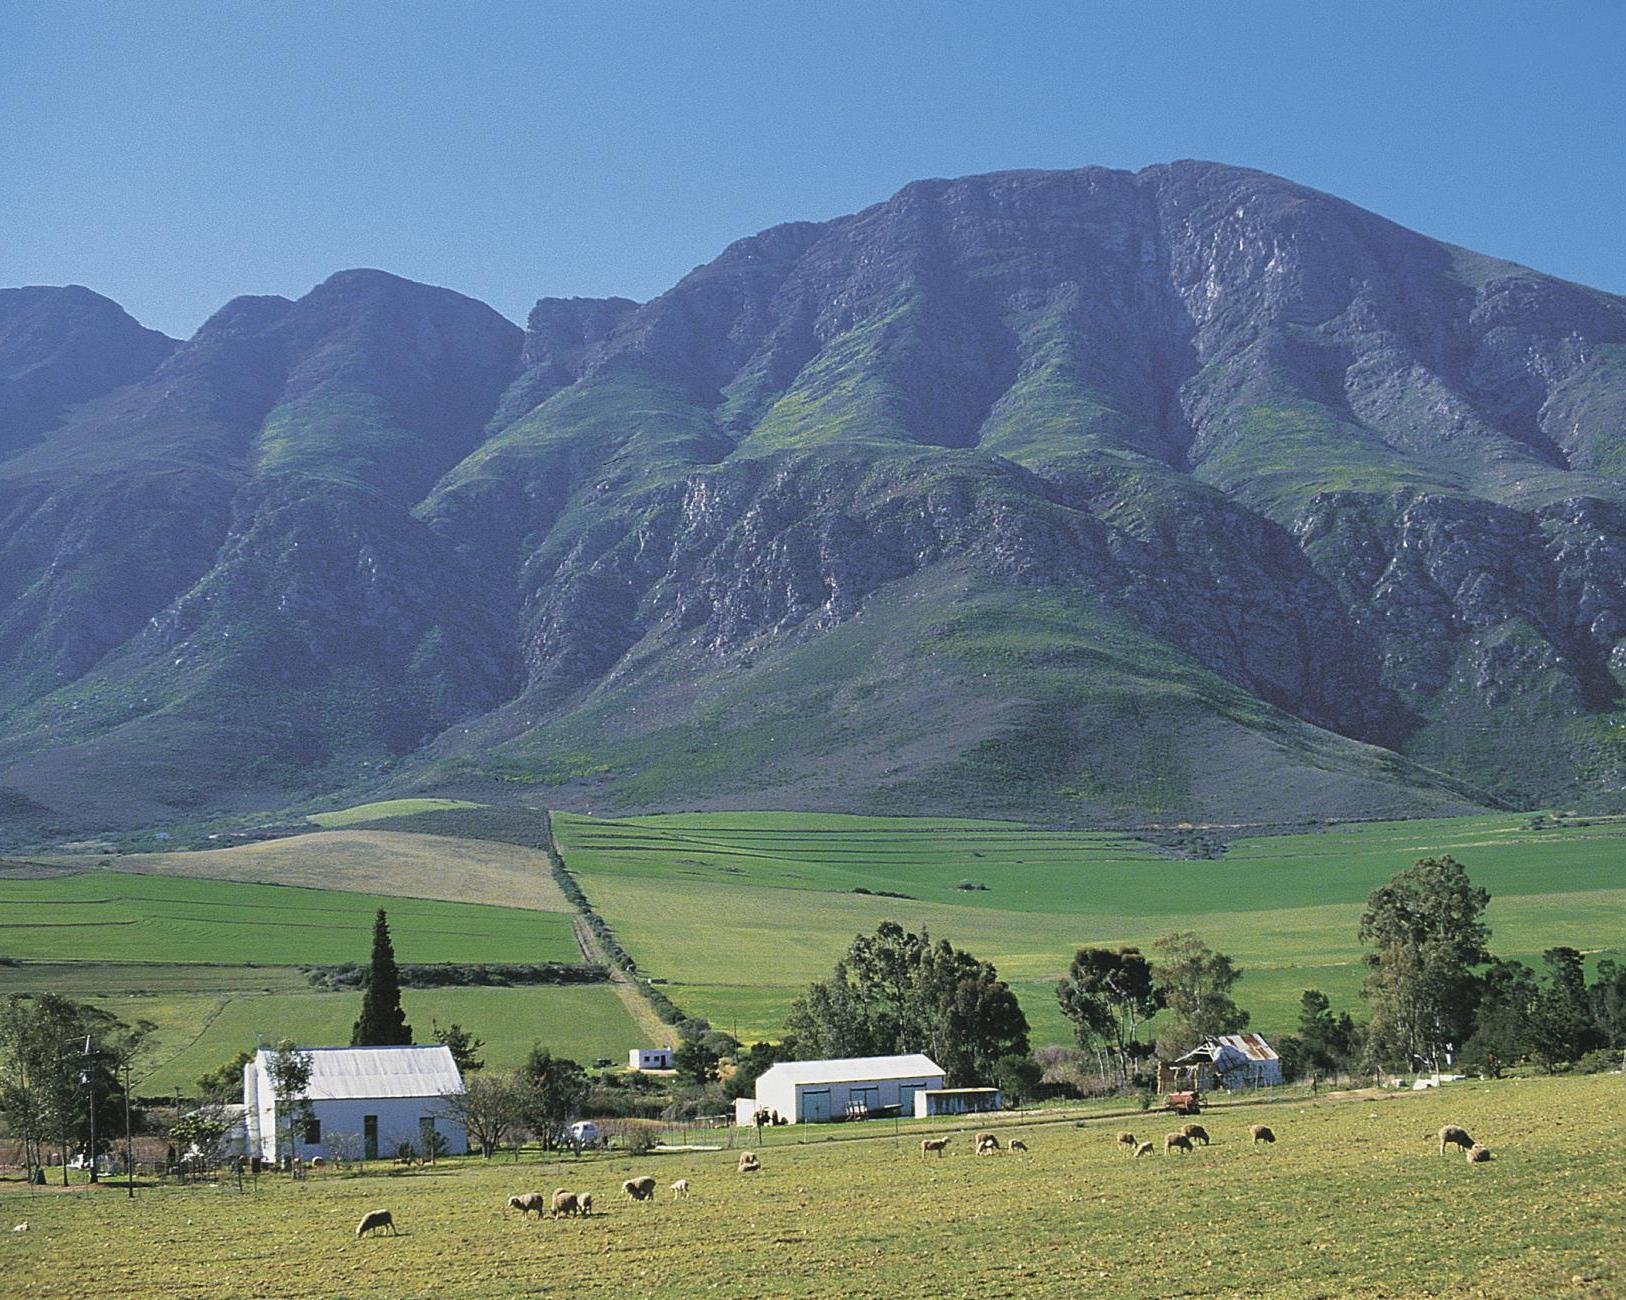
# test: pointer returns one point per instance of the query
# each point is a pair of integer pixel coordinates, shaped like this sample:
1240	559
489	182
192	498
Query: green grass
372	812
113	916
740	911
198	1031
1351	1201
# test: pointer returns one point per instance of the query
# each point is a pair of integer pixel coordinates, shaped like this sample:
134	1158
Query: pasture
110	916
212	963
1374	1210
739	911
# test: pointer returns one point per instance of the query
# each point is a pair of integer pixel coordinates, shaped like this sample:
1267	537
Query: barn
1232	1061
854	1087
363	1102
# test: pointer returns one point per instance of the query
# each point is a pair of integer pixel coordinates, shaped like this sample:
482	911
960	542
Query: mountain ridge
1143	473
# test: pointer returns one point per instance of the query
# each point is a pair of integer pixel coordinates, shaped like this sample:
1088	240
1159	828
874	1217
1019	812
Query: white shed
367	1099
650	1058
854	1087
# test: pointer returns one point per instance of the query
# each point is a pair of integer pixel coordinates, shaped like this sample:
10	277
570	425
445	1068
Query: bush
1603	1061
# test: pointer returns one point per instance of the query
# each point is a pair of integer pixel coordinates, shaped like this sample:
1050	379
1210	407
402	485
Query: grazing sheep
318	1162
21	1227
1451	1134
1262	1133
680	1188
1176	1142
566	1203
1477	1155
749	1163
373	1220
928	1145
1016	1144
1127	1139
1142	1149
528	1201
988	1139
584	1203
1196	1132
639	1189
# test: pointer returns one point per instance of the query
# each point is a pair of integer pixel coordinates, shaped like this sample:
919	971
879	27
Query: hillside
1078	496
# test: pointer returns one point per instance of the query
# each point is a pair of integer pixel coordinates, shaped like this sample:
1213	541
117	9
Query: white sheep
639	1189
680	1188
928	1145
528	1201
376	1220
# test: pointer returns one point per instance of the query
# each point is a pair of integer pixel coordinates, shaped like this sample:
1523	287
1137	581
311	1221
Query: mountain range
1094	496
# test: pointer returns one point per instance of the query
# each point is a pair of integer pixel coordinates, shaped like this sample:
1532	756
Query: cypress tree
382	1023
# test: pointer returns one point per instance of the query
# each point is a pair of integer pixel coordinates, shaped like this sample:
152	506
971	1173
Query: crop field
372	812
739	911
199	1031
375	862
1376	1211
212	963
113	916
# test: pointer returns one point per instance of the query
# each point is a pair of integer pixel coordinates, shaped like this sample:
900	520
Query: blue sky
174	154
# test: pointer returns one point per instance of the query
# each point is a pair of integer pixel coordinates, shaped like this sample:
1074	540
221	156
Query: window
313	1132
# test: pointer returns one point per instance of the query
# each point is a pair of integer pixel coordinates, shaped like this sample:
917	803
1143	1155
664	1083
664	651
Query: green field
739	911
1350	1201
212	963
372	812
113	916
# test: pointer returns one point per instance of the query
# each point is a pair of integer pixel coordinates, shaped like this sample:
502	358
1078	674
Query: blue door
906	1098
816	1106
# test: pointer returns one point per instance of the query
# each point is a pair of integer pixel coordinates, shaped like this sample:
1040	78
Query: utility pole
129	1161
88	1078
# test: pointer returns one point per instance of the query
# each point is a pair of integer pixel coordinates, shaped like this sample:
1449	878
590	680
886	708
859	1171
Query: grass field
211	962
739	911
372	812
377	862
198	1031
1374	1212
113	916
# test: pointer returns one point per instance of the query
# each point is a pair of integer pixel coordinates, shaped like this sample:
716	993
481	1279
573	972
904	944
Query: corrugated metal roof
1252	1046
853	1069
341	1073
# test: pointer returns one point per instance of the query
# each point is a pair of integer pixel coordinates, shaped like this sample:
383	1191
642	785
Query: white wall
790	1100
397	1122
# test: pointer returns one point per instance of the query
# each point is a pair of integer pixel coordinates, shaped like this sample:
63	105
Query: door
906	1098
816	1106
369	1136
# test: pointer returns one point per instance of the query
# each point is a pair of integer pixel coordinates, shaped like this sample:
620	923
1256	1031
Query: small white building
649	1058
367	1099
855	1087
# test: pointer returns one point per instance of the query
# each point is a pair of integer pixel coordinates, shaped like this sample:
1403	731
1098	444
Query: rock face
1180	493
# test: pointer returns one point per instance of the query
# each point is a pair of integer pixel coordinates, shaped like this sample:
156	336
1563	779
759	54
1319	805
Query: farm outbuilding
650	1058
362	1101
1229	1061
854	1087
955	1101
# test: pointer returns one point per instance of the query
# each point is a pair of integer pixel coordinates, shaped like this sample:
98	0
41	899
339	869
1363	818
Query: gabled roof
1230	1051
853	1069
341	1073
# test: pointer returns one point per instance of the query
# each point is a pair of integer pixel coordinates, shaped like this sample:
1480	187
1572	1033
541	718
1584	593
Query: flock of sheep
565	1203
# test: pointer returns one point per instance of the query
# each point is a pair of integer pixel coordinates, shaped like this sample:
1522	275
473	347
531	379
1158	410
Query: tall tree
1606	1001
1107	995
553	1089
1427	931
895	992
1561	1027
288	1069
382	1022
1194	983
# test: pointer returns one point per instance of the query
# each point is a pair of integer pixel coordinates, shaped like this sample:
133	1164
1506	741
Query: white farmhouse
650	1058
854	1087
367	1099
